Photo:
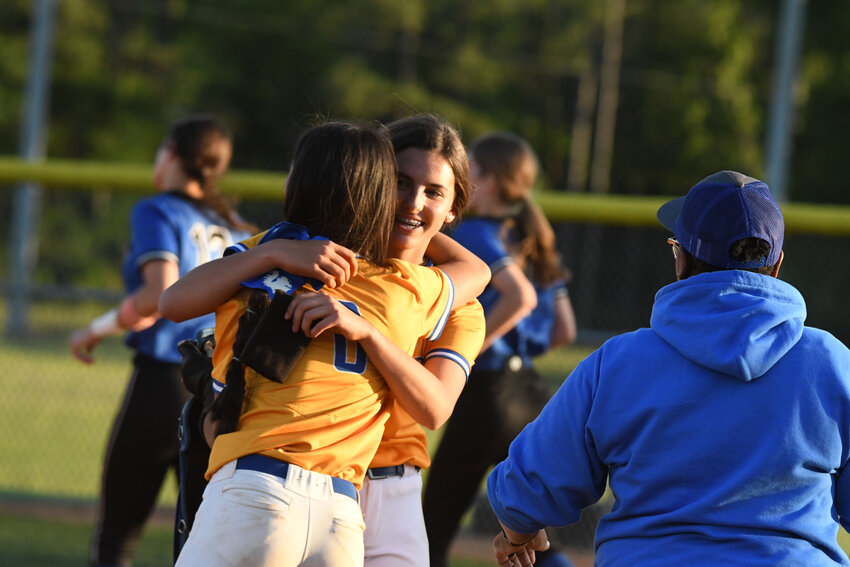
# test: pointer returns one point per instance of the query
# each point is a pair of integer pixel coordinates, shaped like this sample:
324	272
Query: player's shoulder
425	283
477	228
395	268
469	310
169	204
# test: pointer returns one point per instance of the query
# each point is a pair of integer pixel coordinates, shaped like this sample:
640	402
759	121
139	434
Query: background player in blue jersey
527	312
186	224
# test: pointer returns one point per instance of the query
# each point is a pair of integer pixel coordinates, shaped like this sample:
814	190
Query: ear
775	272
450	217
681	267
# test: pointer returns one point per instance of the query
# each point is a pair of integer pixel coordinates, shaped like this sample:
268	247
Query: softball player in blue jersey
186	224
527	312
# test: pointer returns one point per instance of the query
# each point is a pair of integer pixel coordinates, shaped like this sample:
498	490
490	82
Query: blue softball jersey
177	228
531	336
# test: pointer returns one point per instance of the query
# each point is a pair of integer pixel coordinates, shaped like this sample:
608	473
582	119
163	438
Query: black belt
378	473
276	467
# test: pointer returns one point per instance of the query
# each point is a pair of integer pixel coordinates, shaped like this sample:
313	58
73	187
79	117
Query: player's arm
469	274
428	393
564	327
137	311
209	285
517	298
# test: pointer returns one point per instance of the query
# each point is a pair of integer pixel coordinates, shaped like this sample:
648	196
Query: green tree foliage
694	86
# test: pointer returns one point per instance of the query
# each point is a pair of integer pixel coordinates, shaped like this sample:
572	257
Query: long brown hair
432	133
513	165
203	145
343	186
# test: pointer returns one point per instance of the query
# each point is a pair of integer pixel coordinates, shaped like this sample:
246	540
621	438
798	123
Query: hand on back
323	260
316	312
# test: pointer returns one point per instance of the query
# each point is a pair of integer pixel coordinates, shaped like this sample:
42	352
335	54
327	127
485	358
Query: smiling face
426	194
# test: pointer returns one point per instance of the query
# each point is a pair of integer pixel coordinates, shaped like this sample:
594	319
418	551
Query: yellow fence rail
627	210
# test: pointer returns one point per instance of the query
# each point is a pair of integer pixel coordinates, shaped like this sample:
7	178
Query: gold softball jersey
404	440
328	415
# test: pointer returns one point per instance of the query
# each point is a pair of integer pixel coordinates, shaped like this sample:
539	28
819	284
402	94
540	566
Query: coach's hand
512	549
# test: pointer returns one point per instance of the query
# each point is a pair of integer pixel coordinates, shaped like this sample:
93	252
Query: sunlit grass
56	413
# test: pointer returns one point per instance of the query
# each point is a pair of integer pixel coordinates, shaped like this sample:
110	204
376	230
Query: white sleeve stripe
217	386
438	329
157	255
236	248
451	355
501	263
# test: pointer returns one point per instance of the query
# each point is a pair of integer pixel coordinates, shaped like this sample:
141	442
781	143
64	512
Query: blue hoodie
723	431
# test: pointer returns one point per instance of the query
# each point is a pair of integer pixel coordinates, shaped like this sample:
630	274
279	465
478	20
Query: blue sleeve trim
453	356
217	386
441	324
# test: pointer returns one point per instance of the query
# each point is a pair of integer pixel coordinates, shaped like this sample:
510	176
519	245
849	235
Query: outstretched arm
138	310
209	285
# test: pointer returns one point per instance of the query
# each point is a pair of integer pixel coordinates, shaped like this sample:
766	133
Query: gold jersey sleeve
404	440
328	415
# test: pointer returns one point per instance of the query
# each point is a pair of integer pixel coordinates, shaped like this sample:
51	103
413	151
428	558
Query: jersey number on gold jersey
342	348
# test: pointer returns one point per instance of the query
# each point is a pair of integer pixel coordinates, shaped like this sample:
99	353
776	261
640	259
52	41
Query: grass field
56	414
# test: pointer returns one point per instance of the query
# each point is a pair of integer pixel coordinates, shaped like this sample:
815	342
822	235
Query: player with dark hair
723	429
316	431
527	312
187	223
433	184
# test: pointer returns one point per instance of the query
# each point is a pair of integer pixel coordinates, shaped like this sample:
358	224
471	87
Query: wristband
512	544
106	324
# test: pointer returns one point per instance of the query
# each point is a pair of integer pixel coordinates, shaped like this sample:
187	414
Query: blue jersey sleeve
481	237
153	237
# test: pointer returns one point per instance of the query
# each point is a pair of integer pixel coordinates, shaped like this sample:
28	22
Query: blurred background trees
693	90
692	84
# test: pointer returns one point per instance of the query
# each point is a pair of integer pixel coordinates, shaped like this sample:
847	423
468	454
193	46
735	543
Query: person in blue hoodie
723	430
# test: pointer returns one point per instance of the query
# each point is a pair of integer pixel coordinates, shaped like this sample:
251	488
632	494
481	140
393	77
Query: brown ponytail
536	253
203	145
513	165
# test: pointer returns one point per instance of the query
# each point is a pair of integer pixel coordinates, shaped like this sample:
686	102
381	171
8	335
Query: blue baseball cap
720	210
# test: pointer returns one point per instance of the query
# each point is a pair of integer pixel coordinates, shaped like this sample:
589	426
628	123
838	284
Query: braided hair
227	407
